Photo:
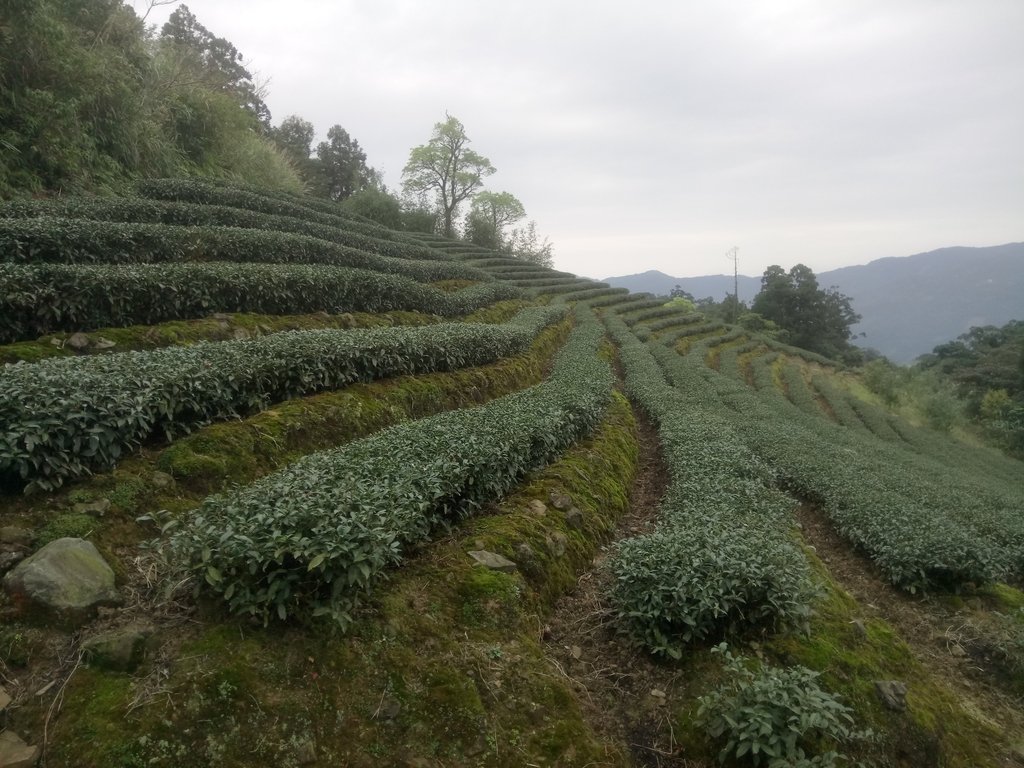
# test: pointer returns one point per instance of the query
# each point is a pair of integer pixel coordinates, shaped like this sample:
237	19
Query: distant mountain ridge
909	304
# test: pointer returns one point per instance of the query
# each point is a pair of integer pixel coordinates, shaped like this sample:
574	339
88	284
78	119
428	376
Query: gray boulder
67	576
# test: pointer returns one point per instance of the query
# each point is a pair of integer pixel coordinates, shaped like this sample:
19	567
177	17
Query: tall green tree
811	318
342	164
216	61
447	170
489	215
295	137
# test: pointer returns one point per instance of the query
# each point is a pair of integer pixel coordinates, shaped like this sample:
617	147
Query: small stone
223	316
574	518
557	543
860	628
657	693
957	650
119	649
305	752
78	341
525	553
11	534
15	753
97	508
161	480
102	343
893	694
537	507
5	698
576	652
240	334
390	708
57	341
560	500
478	747
494	561
546	632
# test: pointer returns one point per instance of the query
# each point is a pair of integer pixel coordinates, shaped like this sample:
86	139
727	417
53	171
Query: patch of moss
852	652
127	494
73	524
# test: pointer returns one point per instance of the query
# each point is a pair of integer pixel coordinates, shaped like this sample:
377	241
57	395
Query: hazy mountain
908	304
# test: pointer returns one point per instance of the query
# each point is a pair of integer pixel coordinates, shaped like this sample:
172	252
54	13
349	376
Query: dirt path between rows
625	695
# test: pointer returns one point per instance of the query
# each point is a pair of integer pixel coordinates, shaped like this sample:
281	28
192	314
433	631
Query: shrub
772	716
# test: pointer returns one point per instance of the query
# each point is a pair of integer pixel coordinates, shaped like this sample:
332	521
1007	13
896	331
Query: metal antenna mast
733	255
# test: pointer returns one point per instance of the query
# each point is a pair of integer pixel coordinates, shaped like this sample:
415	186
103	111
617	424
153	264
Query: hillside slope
354	497
908	304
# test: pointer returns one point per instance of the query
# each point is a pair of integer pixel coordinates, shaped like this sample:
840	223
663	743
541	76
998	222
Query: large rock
5	698
67	576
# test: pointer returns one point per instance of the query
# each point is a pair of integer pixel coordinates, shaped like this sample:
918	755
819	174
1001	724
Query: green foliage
141	210
306	209
775	717
41	298
812	318
489	215
73	524
721	560
342	164
308	541
682	304
79	241
377	205
884	379
213	61
525	244
89	100
65	416
446	169
946	518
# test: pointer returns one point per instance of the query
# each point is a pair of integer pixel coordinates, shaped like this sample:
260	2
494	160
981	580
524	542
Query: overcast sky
658	135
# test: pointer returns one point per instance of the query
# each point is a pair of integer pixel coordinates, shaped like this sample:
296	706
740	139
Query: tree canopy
809	317
489	215
91	98
447	170
343	166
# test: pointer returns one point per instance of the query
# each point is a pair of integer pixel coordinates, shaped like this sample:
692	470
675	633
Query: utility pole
733	255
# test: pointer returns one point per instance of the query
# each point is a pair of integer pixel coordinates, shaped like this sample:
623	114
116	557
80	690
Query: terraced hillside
351	496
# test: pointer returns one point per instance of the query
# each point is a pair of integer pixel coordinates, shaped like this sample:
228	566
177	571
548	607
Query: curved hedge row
75	241
722	558
65	416
41	298
207	192
592	293
310	540
928	524
138	210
